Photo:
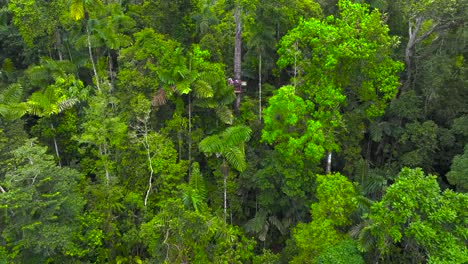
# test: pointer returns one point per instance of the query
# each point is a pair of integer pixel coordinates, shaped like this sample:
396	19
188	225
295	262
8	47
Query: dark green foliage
41	205
458	175
134	154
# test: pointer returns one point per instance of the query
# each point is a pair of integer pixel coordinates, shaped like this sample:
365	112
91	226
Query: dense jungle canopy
233	131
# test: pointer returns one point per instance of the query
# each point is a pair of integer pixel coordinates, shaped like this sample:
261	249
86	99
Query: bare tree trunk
103	153
190	133
260	87
55	145
92	58
148	155
416	37
111	71
329	159
225	197
59	44
295	65
413	31
237	50
225	172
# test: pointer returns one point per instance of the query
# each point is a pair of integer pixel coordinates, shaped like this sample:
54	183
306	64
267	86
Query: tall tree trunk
237	50
148	156
260	87
190	133
58	44
92	58
56	145
413	30
225	172
329	159
295	65
111	70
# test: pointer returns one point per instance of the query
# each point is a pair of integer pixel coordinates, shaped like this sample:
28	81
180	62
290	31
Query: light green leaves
414	212
339	64
77	9
336	201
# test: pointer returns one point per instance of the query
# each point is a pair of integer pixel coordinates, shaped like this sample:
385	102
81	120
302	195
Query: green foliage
229	144
54	98
339	64
177	235
287	123
36	19
41	207
194	193
336	201
160	69
345	252
414	213
458	175
11	107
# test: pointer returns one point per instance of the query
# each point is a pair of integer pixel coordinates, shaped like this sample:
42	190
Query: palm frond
12	94
66	104
225	114
13	111
159	98
277	223
235	156
236	135
211	144
202	89
256	224
77	9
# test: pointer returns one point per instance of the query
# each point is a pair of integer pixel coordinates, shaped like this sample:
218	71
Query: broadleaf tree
339	64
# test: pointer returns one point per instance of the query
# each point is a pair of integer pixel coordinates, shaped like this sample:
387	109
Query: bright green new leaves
414	213
288	124
336	201
54	98
339	64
